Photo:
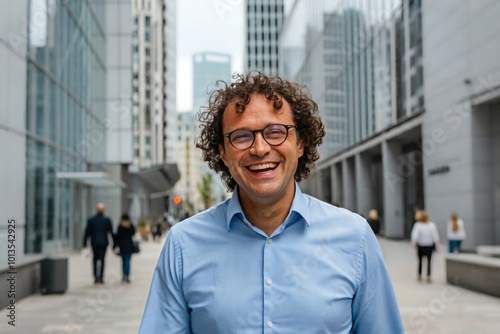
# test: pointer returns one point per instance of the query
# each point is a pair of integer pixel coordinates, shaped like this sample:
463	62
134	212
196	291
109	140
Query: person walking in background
98	229
455	233
374	221
156	230
271	258
124	241
425	238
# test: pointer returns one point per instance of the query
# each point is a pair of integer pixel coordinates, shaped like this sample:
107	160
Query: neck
267	215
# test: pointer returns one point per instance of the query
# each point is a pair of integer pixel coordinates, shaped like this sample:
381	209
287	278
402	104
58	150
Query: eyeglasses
273	134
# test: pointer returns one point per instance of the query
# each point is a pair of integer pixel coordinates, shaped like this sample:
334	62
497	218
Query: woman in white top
425	238
456	233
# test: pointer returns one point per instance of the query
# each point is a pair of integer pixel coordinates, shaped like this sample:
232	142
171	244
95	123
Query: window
147	33
148	116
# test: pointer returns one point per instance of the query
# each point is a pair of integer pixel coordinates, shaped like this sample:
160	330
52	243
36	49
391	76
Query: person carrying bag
124	241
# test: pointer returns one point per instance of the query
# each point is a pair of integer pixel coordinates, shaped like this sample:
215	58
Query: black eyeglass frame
287	127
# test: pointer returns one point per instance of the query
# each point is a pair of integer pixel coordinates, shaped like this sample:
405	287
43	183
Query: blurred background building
408	90
409	95
264	19
208	67
190	164
67	121
154	114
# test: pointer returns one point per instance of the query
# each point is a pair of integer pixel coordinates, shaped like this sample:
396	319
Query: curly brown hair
305	114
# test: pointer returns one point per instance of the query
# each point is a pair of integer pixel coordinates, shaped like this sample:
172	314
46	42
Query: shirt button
269	281
269	241
269	324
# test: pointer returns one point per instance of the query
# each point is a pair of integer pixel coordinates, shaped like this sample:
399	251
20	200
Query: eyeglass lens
274	134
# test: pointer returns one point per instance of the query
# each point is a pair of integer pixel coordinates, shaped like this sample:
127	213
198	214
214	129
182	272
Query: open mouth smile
263	167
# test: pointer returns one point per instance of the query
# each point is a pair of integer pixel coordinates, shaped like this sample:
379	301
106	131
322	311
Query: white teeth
263	166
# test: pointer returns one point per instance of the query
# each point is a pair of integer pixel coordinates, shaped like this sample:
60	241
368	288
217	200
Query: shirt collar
299	205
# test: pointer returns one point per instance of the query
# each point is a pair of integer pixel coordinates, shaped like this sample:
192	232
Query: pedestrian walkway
436	307
116	308
110	308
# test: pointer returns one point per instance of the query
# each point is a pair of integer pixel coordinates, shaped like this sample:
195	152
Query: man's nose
260	147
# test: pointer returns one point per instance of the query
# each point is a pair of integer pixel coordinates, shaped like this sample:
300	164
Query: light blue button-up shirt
321	271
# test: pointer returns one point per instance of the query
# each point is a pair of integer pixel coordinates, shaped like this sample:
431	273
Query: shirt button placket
267	280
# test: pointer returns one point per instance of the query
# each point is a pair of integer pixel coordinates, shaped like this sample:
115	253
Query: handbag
136	248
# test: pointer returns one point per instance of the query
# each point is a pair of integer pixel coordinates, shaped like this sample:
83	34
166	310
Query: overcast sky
206	25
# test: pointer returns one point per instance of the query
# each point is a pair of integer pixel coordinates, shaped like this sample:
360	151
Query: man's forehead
233	104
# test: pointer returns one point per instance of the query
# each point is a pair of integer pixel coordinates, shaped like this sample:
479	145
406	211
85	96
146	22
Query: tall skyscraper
418	129
208	67
153	81
264	19
154	114
169	74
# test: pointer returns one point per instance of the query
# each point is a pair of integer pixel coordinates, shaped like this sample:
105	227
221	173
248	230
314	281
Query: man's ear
301	148
222	153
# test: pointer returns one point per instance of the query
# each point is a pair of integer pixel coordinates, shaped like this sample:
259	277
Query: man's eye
241	136
275	132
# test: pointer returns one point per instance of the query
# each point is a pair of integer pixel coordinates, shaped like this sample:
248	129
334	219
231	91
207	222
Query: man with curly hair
271	258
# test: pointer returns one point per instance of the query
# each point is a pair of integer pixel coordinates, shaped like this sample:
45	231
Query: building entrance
413	184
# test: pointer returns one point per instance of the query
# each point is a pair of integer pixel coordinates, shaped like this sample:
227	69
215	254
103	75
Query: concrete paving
110	308
437	307
116	307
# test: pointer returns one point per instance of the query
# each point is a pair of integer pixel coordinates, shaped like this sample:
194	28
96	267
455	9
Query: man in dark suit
98	228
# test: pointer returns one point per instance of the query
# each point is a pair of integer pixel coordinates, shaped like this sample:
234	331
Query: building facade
264	19
170	73
118	27
70	138
59	130
417	130
191	165
13	65
65	120
154	112
208	67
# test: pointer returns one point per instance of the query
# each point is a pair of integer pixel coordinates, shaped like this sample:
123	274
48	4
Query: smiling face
264	173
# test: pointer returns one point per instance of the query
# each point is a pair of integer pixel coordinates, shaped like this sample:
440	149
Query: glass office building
66	121
341	50
408	94
65	116
362	62
208	67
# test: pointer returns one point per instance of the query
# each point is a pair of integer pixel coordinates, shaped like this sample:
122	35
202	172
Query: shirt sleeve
166	309
374	306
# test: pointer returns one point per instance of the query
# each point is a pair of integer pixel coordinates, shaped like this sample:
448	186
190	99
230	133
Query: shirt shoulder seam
177	257
360	257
